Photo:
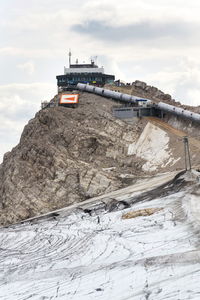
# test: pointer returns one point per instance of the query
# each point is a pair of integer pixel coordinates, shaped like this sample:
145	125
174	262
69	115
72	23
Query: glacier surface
88	251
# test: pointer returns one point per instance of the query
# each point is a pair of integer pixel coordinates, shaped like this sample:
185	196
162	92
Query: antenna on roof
95	59
91	60
70	54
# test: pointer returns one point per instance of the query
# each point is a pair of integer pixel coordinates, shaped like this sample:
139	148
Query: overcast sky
156	41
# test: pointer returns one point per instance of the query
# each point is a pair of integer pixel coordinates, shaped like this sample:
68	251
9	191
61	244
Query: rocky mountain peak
66	155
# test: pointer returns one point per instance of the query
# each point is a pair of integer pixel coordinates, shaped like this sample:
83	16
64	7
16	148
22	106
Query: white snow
153	146
78	256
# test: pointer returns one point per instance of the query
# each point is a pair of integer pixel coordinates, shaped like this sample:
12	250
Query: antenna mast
70	54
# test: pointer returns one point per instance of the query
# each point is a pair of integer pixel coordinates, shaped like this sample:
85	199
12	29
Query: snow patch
79	256
153	146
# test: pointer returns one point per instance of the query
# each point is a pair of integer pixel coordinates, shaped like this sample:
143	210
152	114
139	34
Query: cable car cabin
69	100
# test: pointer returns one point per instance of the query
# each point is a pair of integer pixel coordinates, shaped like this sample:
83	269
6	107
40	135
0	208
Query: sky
156	41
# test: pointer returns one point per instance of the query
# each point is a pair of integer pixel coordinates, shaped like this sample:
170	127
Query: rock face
150	90
66	155
142	89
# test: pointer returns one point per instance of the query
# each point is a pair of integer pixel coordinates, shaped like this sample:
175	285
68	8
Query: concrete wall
190	127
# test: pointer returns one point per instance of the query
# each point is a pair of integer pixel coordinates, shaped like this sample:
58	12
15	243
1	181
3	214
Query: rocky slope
142	89
139	242
67	155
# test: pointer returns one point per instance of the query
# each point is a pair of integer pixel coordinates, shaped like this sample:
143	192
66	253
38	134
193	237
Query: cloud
21	101
141	31
18	104
30	52
181	80
151	40
28	67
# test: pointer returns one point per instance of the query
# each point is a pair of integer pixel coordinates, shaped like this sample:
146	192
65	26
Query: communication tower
70	54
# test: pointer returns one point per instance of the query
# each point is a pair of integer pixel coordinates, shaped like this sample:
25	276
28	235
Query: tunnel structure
130	99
